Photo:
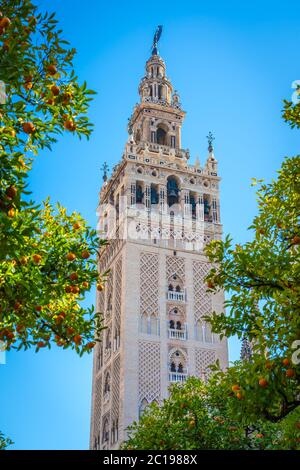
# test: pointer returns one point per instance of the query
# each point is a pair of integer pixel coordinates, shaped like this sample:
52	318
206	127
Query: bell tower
157	212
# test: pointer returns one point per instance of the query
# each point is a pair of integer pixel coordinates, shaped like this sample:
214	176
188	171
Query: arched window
161	136
138	135
139	194
208	333
160	92
172	191
109	303
178	325
170	288
193	205
178	362
143	406
105	431
172	324
144	323
178	288
108	339
107	383
153	324
154	194
99	357
115	431
116	339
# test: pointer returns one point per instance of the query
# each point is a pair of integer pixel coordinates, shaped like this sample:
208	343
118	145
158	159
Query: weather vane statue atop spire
156	39
210	139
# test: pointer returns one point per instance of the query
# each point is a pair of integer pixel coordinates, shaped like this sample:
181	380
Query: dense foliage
48	258
202	416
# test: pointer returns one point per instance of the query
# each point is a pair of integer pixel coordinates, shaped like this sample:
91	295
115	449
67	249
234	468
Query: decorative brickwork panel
149	283
204	358
202	299
116	388
109	290
176	265
149	371
118	291
97	411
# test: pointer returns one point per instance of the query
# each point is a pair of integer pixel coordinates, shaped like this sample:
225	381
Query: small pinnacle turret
246	349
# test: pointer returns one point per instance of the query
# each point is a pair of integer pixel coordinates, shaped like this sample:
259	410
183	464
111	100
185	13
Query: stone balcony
177	377
174	333
176	296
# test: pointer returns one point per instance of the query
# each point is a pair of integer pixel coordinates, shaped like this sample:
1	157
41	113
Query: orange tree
196	416
47	257
262	278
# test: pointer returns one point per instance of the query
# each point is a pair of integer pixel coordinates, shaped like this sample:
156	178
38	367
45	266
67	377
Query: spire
105	169
246	349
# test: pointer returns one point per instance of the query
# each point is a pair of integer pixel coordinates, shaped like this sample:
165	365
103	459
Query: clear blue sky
232	62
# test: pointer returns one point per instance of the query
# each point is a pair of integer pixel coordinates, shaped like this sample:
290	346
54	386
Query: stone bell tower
157	212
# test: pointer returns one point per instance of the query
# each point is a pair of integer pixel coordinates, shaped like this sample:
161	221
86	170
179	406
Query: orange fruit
235	388
259	436
28	85
210	285
51	69
296	240
69	125
239	396
75	289
85	254
20	328
6	45
290	373
100	287
85	285
269	365
55	90
28	127
11	192
71	256
41	344
263	382
76	225
68	289
77	340
59	319
38	308
91	345
36	259
70	331
285	361
73	276
5	22
11	213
